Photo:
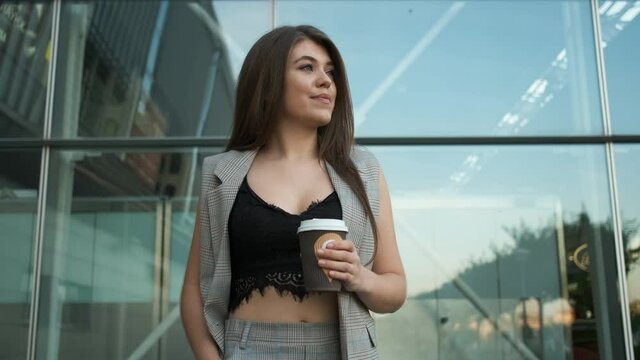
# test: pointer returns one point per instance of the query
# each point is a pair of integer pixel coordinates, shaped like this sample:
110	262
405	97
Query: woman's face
309	90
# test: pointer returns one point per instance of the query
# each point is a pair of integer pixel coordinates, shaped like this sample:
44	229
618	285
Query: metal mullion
613	188
212	142
273	14
167	219
42	186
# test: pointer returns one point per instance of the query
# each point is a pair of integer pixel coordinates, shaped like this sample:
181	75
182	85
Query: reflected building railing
25	41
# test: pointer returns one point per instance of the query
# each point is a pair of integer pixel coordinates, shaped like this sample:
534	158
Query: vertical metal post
613	189
273	14
166	269
42	186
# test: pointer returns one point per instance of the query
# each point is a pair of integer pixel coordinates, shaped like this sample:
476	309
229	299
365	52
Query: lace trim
313	203
289	283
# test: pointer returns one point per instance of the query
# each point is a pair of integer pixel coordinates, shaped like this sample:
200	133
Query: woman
290	157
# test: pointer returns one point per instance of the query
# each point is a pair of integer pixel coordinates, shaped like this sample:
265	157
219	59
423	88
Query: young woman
291	157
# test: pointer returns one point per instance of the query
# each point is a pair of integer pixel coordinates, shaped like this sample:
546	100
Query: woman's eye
331	73
307	67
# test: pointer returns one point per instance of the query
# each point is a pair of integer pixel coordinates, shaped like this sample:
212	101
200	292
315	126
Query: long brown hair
259	97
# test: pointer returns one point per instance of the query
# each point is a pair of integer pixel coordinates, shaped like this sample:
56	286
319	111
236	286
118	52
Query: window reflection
620	36
118	232
19	178
501	264
444	68
25	52
125	70
627	162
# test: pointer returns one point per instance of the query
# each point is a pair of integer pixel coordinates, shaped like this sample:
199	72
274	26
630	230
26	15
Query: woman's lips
322	99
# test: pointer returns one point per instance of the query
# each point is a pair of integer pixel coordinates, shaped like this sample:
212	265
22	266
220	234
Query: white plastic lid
323	224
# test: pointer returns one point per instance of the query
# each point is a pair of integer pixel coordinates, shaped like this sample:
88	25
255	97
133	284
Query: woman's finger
342	276
340	266
339	255
346	245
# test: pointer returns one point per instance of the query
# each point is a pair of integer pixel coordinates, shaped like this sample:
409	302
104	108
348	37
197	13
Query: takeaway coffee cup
315	234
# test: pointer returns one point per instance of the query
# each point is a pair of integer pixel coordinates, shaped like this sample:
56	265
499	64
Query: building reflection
130	78
530	308
25	54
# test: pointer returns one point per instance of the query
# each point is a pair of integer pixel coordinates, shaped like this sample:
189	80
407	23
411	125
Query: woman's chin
322	120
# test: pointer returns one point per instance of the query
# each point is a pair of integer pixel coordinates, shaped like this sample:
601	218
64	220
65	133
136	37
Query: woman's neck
292	143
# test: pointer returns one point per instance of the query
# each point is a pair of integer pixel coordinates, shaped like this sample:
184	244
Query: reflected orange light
486	329
473	324
529	312
558	312
634	307
505	322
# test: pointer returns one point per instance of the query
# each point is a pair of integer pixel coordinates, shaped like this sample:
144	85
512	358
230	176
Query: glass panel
627	165
118	229
443	68
19	178
620	28
504	260
182	215
241	24
25	52
126	70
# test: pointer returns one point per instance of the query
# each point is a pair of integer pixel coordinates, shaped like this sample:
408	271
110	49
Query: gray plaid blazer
222	175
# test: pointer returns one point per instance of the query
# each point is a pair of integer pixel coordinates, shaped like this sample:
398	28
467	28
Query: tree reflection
538	291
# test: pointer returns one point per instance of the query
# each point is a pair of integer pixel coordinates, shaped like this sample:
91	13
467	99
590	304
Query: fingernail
321	262
320	251
330	245
326	243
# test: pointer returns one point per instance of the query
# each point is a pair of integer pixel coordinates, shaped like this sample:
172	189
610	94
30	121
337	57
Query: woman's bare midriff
271	307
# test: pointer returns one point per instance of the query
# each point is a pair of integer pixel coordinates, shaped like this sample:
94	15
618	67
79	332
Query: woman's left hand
343	263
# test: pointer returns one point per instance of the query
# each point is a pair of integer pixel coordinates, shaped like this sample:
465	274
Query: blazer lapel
230	171
235	166
350	206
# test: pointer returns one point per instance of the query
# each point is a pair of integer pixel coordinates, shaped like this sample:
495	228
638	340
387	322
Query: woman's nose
324	79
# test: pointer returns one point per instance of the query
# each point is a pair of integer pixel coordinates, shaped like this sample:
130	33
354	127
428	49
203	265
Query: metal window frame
42	186
621	279
211	141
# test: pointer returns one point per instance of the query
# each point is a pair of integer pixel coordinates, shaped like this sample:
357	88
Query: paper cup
315	234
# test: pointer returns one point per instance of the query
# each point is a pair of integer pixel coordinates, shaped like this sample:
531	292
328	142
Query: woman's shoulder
210	162
363	157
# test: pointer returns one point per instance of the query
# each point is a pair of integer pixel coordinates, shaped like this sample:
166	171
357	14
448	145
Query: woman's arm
384	288
191	310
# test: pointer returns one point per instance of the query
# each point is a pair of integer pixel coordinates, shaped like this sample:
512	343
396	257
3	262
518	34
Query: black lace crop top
264	245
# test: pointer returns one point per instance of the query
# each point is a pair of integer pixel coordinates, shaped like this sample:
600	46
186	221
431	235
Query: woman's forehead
310	51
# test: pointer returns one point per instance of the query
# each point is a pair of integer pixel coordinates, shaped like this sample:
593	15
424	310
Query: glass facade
116	241
520	250
508	250
417	70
